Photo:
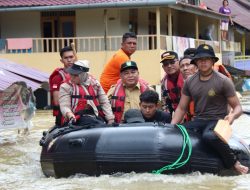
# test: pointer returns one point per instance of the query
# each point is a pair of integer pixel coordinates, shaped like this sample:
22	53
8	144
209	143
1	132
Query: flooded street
20	167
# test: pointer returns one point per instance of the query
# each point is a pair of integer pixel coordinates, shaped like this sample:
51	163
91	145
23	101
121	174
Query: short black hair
128	35
149	96
65	49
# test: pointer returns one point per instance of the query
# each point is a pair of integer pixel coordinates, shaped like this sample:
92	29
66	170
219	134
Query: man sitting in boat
125	94
81	91
149	104
172	82
211	92
133	116
187	69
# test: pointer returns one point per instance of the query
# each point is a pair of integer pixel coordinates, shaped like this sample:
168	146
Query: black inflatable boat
140	147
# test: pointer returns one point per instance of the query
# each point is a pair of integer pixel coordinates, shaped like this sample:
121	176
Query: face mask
83	77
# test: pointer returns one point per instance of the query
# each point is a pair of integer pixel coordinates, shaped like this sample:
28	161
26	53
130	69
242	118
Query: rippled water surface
20	167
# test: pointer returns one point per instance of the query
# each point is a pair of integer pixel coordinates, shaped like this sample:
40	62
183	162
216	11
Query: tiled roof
241	13
32	3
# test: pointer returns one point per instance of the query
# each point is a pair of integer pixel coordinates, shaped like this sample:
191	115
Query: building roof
12	5
11	72
240	11
42	5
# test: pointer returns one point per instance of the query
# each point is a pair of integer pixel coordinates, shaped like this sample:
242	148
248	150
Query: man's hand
70	116
230	117
110	121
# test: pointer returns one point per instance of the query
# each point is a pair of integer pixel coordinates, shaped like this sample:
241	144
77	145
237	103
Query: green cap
128	65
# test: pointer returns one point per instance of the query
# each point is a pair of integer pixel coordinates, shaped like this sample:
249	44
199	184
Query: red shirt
55	83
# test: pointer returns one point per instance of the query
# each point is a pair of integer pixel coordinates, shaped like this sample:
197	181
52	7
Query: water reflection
20	167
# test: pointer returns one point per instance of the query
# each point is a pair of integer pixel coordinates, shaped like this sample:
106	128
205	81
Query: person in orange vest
125	94
83	92
211	92
57	77
111	72
172	82
222	69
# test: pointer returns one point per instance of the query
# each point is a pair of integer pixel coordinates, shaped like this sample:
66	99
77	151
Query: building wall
92	22
20	25
142	22
123	26
148	62
89	25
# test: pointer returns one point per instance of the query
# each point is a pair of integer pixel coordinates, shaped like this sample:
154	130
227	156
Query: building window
56	24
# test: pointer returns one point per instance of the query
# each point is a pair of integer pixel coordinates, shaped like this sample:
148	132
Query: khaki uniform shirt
132	97
65	98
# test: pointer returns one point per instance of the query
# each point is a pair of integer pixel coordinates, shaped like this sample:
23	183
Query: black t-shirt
160	116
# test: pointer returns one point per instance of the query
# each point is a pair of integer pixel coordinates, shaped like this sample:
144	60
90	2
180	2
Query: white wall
20	25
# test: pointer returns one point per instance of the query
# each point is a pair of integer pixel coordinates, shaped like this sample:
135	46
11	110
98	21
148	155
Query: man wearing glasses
172	82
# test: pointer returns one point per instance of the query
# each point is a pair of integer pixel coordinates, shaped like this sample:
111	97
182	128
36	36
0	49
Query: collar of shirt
136	86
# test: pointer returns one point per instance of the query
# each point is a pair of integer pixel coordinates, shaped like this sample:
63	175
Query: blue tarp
243	64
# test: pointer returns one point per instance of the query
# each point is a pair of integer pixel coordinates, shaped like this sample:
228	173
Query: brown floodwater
20	167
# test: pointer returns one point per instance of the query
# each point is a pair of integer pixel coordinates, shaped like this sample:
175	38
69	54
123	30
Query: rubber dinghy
138	147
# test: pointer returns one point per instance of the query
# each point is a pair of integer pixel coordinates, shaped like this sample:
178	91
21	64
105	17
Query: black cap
188	54
169	55
204	50
133	116
128	65
78	67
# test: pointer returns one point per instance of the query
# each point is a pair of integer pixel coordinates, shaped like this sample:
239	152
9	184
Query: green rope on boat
177	163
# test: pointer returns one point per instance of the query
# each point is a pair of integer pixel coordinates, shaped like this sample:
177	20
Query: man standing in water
57	77
211	92
111	71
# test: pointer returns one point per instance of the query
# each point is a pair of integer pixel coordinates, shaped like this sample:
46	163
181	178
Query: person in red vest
111	72
125	94
57	77
83	92
172	82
